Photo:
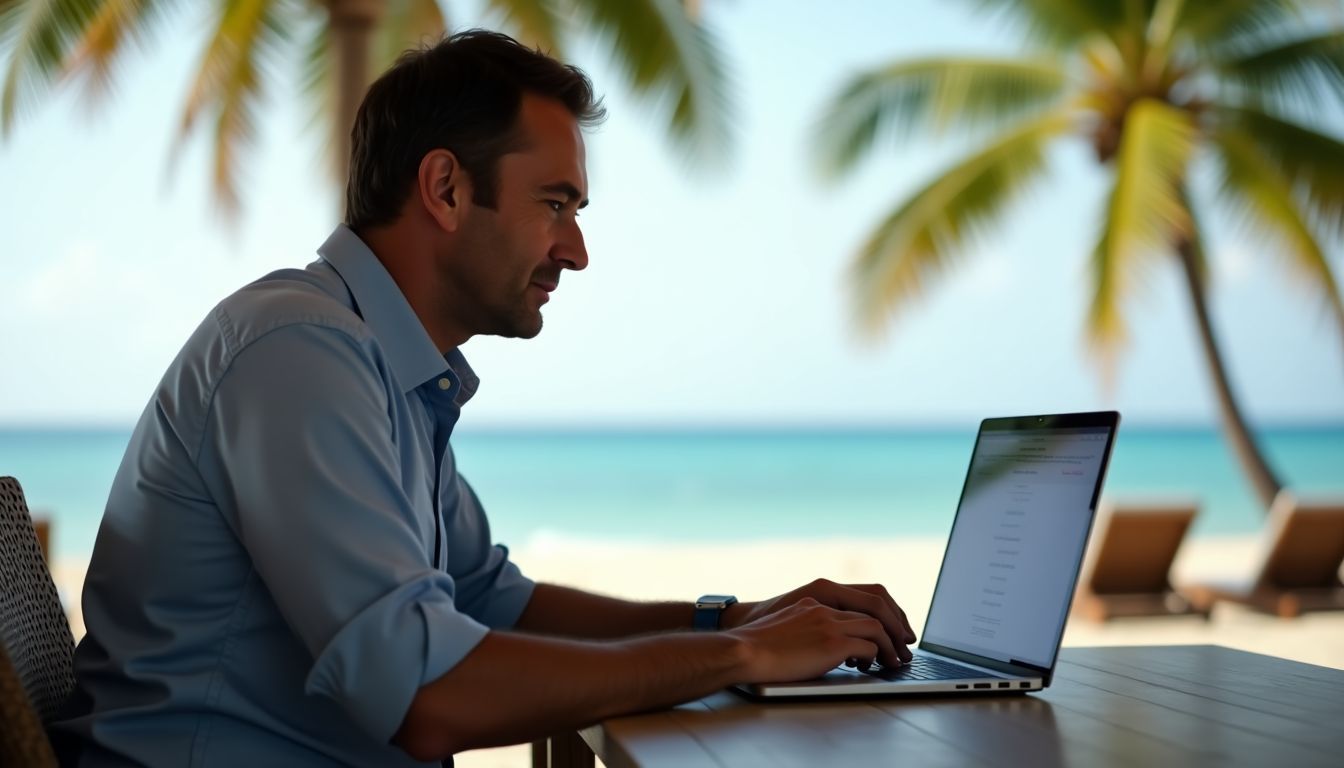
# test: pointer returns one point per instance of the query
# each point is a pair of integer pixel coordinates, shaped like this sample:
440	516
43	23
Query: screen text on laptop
1016	543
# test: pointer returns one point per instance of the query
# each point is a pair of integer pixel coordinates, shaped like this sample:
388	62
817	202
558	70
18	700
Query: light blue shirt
288	552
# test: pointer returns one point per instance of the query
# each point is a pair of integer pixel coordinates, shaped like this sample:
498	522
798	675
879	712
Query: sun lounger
1298	569
1127	572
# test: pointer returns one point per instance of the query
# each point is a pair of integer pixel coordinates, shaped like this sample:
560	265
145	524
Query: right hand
808	639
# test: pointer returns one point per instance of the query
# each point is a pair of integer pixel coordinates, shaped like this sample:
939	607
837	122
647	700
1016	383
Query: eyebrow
570	192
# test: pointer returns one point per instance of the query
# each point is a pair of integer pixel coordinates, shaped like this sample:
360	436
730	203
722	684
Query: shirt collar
410	351
467	378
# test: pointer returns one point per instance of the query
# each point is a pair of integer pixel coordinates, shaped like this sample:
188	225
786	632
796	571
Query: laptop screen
1018	538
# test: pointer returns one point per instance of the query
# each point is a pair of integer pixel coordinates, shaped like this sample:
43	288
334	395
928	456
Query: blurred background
826	241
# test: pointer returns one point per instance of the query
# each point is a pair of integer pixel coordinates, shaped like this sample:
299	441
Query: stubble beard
520	321
524	326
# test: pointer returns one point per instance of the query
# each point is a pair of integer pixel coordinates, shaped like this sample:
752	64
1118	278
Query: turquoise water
740	485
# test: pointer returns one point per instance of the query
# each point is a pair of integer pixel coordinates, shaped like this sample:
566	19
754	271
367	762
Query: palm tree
663	51
1154	86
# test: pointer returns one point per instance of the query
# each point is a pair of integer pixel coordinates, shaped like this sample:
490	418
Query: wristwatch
709	609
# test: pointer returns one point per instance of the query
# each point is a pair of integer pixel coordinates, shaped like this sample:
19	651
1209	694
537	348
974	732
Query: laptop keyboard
926	668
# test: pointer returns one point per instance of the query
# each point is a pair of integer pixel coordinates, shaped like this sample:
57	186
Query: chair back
1305	544
23	740
1134	544
34	634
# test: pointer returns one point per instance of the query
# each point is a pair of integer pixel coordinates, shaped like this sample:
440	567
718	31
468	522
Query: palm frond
317	78
1255	187
533	22
11	15
43	32
115	22
1299	71
1308	161
239	61
1067	23
1229	25
1163	60
893	101
93	55
920	238
1146	213
672	59
406	24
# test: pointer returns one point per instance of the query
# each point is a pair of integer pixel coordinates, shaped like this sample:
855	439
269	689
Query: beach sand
908	567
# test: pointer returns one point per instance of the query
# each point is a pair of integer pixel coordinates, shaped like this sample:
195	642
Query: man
290	570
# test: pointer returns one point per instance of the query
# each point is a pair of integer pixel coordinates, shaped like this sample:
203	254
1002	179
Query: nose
569	250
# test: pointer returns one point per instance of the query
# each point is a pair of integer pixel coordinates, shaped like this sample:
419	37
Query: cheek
533	242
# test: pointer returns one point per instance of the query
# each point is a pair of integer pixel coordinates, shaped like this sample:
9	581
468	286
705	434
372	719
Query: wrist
734	615
739	656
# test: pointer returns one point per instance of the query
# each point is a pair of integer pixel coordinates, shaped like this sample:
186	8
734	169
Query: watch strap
709	611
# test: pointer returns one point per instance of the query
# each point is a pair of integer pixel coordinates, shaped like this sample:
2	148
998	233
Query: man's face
511	257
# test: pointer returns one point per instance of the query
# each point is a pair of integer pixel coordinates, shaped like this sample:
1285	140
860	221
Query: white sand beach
908	567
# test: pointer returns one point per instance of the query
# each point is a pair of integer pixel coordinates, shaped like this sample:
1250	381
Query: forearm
513	688
563	611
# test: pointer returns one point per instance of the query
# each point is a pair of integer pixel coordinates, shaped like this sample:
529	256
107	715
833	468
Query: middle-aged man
290	570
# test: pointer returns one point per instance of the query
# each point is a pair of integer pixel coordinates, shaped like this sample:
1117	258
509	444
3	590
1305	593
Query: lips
545	287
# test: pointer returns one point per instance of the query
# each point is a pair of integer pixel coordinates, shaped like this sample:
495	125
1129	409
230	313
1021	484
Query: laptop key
924	668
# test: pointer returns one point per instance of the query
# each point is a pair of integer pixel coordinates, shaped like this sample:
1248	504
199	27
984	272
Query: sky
714	297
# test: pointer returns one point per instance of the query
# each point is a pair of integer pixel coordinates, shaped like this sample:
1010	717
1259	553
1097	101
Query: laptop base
836	695
853	683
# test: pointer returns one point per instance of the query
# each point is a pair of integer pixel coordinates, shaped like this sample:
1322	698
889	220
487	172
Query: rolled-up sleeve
301	449
490	587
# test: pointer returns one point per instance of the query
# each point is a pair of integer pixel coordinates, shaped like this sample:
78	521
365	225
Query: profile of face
509	259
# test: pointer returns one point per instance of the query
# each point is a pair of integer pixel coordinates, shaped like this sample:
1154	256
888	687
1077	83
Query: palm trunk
1263	480
352	24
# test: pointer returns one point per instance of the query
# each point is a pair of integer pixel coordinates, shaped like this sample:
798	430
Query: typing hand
807	639
871	600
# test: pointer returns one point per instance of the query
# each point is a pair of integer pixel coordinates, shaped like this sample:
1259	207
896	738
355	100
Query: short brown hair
463	94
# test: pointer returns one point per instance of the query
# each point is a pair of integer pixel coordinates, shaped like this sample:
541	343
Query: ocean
737	485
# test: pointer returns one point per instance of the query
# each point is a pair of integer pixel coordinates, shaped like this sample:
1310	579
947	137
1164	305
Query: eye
554	205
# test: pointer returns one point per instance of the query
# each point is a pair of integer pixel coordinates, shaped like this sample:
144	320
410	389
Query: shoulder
266	337
312	298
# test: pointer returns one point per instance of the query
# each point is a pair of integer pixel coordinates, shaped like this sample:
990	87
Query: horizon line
738	427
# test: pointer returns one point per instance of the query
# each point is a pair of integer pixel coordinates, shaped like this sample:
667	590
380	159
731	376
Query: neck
411	263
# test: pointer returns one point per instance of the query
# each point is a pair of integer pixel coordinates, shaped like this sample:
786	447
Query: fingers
882	594
866	599
880	620
858	625
873	599
810	637
864	626
860	652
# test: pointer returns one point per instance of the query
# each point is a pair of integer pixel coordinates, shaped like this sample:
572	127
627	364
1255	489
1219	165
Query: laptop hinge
1011	667
1044	671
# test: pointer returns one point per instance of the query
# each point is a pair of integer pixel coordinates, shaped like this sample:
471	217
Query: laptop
1010	568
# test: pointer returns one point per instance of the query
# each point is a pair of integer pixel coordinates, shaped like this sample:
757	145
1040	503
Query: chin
522	328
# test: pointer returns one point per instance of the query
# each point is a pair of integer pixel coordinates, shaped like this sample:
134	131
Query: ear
444	188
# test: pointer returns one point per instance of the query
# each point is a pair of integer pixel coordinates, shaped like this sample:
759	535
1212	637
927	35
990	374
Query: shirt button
445	383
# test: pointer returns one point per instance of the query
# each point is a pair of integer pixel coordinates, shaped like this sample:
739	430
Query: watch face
715	601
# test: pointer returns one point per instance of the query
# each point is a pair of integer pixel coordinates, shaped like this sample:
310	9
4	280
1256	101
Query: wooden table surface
1170	705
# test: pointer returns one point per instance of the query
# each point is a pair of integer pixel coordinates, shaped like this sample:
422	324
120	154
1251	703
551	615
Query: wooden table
1172	705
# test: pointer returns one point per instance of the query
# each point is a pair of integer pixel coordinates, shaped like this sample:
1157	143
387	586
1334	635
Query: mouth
545	288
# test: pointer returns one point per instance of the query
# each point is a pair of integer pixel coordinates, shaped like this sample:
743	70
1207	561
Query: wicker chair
35	641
